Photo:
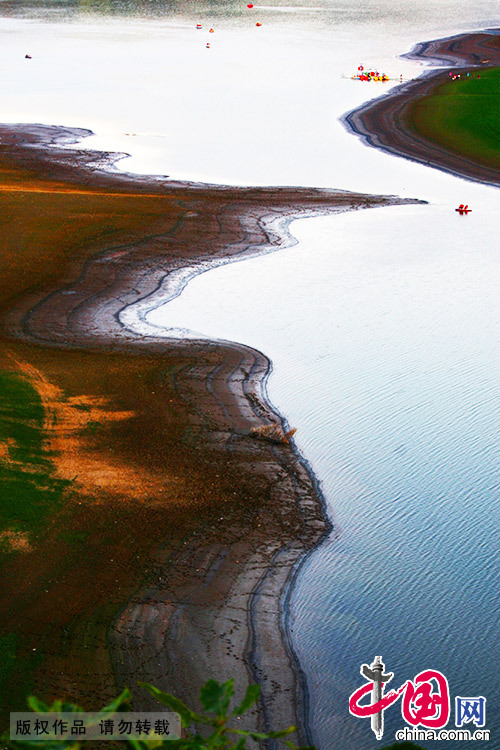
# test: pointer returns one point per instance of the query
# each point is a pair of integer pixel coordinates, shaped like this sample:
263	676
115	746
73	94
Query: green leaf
150	744
215	698
265	735
249	733
251	696
58	706
47	745
124	697
37	705
187	716
147	744
197	741
62	707
282	732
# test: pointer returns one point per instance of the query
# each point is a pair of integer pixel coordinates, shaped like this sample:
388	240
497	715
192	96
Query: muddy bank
222	520
386	122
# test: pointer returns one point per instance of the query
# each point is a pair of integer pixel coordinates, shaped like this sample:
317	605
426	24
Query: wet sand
220	521
386	122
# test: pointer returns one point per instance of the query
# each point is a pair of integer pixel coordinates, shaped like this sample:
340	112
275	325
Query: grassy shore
448	124
462	116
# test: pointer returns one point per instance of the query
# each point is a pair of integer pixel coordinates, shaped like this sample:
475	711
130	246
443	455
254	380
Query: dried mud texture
386	122
213	600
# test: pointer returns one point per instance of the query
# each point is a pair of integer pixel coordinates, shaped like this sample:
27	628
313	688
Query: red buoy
250	5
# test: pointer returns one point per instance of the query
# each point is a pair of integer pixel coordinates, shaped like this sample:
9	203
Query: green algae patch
29	491
462	116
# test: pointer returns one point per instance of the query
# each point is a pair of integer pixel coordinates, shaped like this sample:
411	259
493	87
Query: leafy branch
212	730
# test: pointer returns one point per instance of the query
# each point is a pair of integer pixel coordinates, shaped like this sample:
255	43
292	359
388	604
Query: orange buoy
258	24
211	31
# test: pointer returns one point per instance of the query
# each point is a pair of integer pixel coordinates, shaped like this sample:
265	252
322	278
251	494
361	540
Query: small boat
463	209
372	75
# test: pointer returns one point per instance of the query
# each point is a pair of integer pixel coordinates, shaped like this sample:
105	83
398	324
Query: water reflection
332	13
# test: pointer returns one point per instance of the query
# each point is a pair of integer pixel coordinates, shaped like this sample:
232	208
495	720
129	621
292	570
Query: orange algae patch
17	541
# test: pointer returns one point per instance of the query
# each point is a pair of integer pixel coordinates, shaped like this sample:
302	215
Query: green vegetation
29	492
16	668
7	657
93	427
218	732
462	116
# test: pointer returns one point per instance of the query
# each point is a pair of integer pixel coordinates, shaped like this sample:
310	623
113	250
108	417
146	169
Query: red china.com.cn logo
425	702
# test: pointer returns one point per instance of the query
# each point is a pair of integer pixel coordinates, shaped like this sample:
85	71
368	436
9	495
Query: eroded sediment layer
209	599
386	122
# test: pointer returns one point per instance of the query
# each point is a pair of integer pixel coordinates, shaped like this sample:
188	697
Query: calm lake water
384	322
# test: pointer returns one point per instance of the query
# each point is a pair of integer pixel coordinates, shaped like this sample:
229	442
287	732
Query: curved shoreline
384	122
212	604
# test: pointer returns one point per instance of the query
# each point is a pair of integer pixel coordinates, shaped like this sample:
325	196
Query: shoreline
224	617
384	122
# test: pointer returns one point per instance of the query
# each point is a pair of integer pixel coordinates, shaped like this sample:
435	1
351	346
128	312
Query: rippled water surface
386	358
382	325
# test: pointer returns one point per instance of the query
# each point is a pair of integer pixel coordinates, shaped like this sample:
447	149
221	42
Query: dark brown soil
180	534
